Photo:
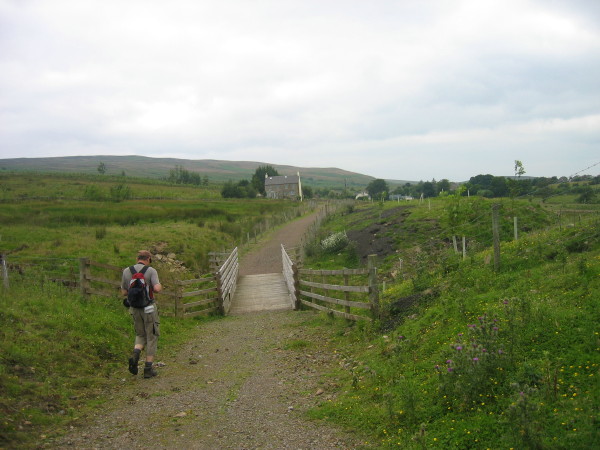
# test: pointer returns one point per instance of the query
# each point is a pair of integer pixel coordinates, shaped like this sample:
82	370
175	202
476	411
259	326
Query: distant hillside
217	171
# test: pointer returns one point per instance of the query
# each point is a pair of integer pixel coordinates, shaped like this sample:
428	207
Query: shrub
120	192
335	242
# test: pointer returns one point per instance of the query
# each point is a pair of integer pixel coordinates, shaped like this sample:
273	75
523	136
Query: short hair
144	255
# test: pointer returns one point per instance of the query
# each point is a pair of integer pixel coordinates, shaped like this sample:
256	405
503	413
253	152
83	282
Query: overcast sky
402	89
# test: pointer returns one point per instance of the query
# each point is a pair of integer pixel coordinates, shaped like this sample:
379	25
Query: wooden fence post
296	274
347	294
516	228
4	271
84	275
373	288
178	300
220	299
464	247
496	234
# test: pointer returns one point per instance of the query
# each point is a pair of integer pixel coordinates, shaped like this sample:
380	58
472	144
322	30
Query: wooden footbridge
349	293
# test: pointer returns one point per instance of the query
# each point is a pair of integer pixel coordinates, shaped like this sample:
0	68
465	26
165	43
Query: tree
101	168
443	185
307	192
587	195
519	169
377	187
429	189
243	189
514	185
258	179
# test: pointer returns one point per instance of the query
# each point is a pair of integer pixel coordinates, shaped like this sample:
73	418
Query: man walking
145	319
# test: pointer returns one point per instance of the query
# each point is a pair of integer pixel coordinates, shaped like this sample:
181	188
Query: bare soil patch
378	238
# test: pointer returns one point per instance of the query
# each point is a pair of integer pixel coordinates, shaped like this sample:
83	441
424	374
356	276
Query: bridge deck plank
264	292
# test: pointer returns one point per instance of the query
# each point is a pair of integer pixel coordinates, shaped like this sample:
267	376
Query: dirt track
266	257
235	385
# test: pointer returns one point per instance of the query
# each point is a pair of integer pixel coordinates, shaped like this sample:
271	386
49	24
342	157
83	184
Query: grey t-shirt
151	277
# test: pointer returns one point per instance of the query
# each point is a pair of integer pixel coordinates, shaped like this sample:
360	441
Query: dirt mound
379	238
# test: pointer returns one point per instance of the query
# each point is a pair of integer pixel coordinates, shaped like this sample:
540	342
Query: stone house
285	186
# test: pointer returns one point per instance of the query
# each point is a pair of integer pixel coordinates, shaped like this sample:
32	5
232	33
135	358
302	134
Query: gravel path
238	384
266	257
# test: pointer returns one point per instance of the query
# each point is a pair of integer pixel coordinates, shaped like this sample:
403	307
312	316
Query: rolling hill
217	171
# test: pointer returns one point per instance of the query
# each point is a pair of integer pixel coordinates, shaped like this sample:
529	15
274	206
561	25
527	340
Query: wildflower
449	361
476	359
459	348
450	369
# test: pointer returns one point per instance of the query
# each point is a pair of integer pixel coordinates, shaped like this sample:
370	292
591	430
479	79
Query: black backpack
138	295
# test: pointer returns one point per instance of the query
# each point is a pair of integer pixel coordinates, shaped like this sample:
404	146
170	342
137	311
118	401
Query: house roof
285	179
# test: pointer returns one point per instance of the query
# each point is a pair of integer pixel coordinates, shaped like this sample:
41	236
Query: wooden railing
290	274
227	280
187	298
198	296
344	293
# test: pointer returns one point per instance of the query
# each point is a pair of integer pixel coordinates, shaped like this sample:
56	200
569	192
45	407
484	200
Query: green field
466	356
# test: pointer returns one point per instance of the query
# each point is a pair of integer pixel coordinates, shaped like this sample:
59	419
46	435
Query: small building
362	195
397	197
285	186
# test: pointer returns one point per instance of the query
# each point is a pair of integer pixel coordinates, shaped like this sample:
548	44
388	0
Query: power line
583	170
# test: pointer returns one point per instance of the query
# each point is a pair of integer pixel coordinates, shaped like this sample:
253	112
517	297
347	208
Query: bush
120	192
335	242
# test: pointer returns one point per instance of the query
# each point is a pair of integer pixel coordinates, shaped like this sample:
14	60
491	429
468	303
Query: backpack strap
143	270
132	270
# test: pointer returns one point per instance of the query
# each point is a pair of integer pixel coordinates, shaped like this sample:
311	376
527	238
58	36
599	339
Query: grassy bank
58	354
469	357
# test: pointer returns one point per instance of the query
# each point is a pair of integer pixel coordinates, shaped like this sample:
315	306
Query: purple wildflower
459	347
476	359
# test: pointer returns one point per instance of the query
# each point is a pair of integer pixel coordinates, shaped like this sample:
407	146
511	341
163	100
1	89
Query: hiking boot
150	372
133	364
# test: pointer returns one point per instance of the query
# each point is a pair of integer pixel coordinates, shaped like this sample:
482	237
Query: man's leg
140	339
152	333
